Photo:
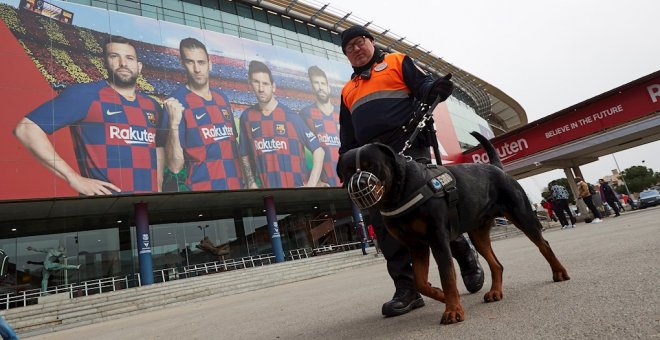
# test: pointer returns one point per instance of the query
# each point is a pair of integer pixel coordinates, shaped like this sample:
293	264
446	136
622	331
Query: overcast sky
546	55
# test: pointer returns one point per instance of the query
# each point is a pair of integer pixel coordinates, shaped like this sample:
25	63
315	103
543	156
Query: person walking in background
362	236
608	195
372	236
585	193
560	201
548	207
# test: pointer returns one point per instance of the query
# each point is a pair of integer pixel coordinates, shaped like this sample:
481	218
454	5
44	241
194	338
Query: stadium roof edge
501	111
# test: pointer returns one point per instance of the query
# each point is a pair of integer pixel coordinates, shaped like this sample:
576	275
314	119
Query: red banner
619	108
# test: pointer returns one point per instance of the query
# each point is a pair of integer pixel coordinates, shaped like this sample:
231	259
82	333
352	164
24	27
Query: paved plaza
613	294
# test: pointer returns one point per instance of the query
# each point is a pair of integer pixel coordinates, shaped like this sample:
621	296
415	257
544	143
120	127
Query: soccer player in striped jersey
202	147
114	129
323	119
273	138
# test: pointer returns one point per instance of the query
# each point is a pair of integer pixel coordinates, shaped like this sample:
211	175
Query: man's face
359	51
197	66
122	64
321	88
262	86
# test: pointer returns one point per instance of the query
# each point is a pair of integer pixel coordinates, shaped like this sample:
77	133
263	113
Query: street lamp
621	174
203	229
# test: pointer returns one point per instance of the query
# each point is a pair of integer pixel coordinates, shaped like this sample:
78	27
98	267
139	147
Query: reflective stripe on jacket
382	103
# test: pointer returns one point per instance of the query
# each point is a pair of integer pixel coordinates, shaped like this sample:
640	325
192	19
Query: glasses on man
357	43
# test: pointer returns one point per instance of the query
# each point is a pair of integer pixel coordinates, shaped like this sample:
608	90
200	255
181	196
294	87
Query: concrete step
58	315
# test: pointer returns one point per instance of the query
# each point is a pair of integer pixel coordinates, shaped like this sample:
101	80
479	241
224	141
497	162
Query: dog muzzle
365	189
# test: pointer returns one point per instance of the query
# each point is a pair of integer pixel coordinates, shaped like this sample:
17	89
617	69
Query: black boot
404	301
471	271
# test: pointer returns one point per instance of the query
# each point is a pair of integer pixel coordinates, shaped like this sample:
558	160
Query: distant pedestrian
608	195
548	207
560	205
362	236
372	236
585	193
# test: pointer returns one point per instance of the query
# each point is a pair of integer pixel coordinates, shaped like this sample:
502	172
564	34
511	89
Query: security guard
375	104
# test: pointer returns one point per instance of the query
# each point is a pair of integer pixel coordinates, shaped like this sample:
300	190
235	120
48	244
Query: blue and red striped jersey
276	143
115	139
326	128
208	136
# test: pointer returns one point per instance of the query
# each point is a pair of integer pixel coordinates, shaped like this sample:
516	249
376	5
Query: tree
564	182
639	177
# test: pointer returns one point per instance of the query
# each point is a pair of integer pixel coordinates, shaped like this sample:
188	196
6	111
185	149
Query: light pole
621	174
203	229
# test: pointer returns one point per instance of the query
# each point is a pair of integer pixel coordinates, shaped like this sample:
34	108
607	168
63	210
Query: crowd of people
600	199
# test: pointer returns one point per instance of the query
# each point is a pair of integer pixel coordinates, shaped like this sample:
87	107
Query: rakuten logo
131	135
217	133
329	140
505	151
654	92
270	145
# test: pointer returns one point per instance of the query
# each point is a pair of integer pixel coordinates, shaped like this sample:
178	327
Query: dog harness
439	183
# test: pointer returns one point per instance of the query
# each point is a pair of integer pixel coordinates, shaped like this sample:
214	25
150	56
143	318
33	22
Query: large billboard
162	107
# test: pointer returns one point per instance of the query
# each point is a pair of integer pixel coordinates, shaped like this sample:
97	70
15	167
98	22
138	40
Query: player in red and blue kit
114	129
202	147
322	118
273	138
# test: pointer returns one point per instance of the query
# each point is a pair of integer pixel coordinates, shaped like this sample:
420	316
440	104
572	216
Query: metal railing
98	286
85	288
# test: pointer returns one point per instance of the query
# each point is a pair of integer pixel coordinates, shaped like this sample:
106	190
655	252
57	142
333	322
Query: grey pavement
613	294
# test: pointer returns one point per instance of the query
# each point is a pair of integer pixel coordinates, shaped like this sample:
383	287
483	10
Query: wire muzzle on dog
364	188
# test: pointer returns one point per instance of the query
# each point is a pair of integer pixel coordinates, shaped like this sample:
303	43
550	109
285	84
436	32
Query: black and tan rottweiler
484	191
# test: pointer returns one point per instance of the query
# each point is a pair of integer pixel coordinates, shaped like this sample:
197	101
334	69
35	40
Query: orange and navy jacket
382	103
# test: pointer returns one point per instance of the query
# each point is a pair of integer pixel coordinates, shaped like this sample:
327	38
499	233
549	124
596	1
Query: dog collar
440	184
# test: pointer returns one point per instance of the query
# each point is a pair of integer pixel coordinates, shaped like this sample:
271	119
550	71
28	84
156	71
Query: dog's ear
397	161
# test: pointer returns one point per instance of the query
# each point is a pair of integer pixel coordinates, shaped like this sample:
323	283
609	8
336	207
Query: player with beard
323	119
202	147
113	127
273	139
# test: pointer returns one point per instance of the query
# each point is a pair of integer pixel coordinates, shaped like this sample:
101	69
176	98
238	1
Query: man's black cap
352	32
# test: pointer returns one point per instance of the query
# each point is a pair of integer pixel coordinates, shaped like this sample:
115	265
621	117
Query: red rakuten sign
619	108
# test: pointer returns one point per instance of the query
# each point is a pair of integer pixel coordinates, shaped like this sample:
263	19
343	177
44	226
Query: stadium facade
49	47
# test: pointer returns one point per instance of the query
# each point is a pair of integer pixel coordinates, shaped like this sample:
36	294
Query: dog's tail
490	149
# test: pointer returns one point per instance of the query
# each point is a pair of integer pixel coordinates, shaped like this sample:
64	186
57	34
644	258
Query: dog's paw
453	315
493	295
560	276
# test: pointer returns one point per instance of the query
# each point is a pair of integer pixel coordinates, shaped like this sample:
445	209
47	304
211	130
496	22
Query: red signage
619	108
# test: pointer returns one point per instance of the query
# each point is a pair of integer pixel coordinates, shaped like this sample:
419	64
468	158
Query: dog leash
426	117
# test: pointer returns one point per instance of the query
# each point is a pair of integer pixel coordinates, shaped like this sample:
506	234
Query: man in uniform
322	118
202	147
375	104
273	138
114	129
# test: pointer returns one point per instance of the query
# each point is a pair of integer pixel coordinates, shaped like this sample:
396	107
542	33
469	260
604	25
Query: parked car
501	221
649	198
